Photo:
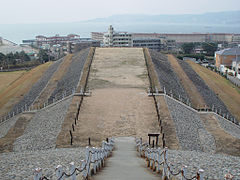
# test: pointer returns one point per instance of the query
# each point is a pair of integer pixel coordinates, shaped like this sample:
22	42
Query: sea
18	32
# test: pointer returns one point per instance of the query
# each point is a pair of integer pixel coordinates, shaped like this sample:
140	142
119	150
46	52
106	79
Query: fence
187	103
158	158
94	161
84	91
26	108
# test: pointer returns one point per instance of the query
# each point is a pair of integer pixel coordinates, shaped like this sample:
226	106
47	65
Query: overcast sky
38	11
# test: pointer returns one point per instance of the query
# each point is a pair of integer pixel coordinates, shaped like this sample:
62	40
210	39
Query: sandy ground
194	95
225	143
119	105
118	67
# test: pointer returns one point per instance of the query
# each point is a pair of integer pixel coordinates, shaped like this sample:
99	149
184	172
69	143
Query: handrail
94	156
188	104
157	158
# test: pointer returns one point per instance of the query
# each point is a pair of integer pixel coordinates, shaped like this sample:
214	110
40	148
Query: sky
44	11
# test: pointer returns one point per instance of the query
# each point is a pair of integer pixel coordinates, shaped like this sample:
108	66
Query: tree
43	56
23	56
188	47
210	48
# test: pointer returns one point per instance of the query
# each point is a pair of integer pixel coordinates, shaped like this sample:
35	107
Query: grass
7	78
225	90
16	90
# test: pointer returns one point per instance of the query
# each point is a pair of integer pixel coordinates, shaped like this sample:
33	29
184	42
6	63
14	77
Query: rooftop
229	51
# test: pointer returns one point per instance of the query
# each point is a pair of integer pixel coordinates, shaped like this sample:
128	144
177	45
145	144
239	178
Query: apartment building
117	39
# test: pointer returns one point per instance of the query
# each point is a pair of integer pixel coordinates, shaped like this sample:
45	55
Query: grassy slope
16	90
227	92
7	78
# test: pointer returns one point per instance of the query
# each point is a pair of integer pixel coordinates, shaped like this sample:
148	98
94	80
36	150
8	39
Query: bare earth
119	105
194	95
225	143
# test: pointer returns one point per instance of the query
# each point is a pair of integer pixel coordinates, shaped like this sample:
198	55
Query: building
53	40
226	57
117	39
97	36
151	43
84	43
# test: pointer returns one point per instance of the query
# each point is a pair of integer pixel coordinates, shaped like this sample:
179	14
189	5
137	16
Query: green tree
43	56
188	48
210	48
23	56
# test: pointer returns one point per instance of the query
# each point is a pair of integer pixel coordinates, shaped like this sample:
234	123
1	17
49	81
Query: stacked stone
229	127
167	77
21	165
71	78
207	93
42	131
215	166
37	88
6	125
189	128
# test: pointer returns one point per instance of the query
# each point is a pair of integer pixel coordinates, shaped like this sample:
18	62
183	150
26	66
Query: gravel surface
229	127
20	165
37	88
188	125
167	77
6	125
215	166
71	78
207	93
42	131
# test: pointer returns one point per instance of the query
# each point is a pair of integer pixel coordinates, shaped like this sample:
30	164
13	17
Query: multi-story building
53	40
151	43
97	36
164	40
117	39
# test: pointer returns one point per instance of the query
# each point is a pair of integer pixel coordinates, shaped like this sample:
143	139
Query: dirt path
119	105
194	95
225	143
52	84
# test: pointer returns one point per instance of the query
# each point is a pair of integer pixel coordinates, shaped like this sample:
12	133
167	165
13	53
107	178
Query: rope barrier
152	155
94	156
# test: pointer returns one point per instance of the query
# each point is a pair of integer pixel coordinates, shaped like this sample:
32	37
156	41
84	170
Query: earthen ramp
119	105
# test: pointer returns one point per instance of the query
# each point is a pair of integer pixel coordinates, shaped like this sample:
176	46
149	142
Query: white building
117	39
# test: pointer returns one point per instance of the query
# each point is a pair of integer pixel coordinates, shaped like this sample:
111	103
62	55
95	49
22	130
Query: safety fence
157	160
185	101
38	106
93	162
84	91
